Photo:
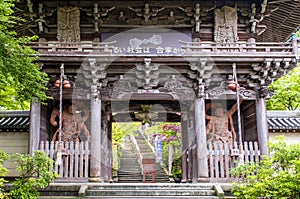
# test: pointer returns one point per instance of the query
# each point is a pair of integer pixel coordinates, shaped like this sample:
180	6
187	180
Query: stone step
130	169
155	186
133	191
154	197
58	197
160	192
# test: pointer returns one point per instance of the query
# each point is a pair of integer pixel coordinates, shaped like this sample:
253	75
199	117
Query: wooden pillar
105	151
201	138
191	139
194	164
184	149
251	43
95	157
170	157
35	123
294	44
110	159
261	118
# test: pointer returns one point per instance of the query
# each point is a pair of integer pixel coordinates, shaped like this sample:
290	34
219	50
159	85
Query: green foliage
276	177
3	172
287	92
20	78
120	129
176	168
35	172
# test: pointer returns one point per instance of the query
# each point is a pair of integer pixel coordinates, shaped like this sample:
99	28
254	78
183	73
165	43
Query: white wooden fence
74	160
224	156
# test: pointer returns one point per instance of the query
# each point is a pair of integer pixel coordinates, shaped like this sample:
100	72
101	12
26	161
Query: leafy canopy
20	78
36	172
120	129
287	92
276	176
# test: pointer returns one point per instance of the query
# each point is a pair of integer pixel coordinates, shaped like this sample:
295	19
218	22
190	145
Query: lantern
232	86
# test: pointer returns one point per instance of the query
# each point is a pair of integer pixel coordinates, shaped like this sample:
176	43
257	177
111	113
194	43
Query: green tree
286	92
3	172
20	78
120	129
276	177
35	172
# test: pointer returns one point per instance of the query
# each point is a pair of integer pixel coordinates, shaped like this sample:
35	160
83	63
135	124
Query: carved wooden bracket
147	74
93	71
201	71
265	73
146	13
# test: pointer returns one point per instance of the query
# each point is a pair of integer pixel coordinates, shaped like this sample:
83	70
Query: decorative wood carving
255	26
92	72
121	88
146	13
99	13
225	25
202	70
263	92
267	72
176	87
147	74
68	20
195	13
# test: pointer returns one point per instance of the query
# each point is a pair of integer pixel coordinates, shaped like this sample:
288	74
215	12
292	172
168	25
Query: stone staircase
160	174
130	163
130	168
137	191
153	191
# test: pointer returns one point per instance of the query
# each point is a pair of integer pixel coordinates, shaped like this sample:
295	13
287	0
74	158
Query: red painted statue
217	127
73	123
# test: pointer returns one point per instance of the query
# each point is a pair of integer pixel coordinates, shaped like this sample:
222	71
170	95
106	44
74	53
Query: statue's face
219	111
70	109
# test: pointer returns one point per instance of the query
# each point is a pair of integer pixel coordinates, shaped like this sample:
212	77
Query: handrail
137	150
238	47
162	164
187	47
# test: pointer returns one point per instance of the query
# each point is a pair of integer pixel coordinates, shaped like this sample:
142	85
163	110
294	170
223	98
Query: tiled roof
14	121
283	121
278	121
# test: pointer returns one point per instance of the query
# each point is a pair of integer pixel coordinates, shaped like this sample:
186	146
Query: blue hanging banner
158	150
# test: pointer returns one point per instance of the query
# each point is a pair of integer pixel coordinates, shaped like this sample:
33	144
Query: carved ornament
121	88
265	73
147	74
225	25
68	21
216	92
175	86
92	72
146	13
263	92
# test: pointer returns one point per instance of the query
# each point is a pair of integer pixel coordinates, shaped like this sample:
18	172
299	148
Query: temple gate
206	63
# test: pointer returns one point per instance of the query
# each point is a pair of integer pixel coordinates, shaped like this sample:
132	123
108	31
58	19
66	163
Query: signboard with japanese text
147	42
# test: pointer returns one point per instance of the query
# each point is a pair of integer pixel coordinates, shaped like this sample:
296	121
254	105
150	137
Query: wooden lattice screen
75	158
224	156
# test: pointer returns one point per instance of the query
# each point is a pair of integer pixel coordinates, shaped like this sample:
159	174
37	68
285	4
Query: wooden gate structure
158	61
